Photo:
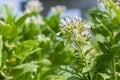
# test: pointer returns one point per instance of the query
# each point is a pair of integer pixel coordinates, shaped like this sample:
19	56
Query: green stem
113	67
90	75
82	55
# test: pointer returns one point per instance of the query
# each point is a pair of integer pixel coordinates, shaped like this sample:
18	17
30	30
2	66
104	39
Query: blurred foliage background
37	44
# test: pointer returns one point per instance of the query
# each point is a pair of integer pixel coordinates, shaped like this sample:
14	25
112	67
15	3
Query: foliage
103	64
33	47
29	49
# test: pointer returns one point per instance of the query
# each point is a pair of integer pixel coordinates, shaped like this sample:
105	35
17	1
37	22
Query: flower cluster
102	3
34	6
58	9
117	3
75	29
36	19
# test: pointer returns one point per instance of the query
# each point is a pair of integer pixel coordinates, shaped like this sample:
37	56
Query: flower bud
58	9
34	6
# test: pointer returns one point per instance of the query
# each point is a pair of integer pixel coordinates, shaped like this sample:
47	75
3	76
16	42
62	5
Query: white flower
74	28
36	19
58	9
63	22
117	3
68	21
34	6
28	20
76	32
87	25
86	33
102	4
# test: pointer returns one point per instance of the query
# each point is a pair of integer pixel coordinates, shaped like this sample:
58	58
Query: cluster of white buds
102	3
36	19
75	28
34	6
117	3
58	9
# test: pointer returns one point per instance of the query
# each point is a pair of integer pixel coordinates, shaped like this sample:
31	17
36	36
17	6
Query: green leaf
1	47
87	51
103	76
53	22
90	67
118	76
117	37
116	10
28	67
103	48
115	50
5	29
115	23
99	30
21	20
99	38
8	14
4	58
21	70
26	48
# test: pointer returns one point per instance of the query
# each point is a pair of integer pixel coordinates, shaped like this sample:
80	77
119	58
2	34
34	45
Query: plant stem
83	57
90	75
113	67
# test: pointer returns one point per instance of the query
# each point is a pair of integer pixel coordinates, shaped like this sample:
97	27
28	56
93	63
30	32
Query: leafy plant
29	47
104	40
33	47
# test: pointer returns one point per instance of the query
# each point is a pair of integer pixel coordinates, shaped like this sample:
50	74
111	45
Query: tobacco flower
117	3
34	6
74	29
36	19
58	9
103	4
